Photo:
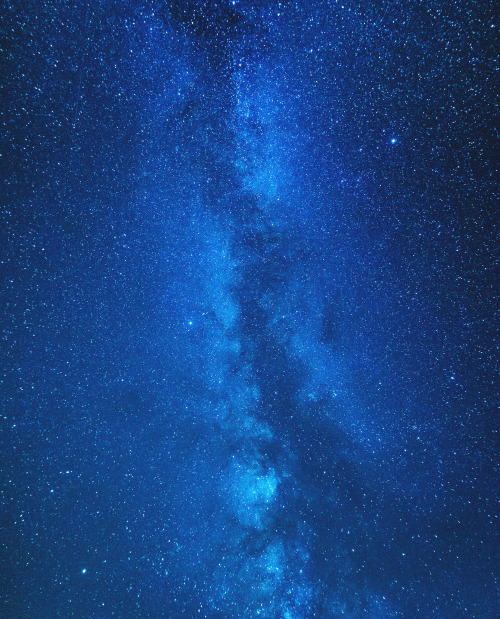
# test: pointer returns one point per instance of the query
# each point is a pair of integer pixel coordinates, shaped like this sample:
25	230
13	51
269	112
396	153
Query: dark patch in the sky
333	320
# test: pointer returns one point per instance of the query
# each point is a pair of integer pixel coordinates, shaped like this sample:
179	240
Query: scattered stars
248	307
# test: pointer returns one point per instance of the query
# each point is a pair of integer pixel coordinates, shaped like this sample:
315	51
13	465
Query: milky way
248	326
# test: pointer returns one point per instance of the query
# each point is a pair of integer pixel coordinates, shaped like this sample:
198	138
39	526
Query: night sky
248	300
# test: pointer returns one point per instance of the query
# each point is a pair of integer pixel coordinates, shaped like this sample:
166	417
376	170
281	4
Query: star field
248	335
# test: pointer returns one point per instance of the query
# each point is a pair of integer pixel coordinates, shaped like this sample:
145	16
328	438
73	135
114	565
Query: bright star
84	571
393	140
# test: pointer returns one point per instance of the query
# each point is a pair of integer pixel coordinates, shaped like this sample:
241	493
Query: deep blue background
248	336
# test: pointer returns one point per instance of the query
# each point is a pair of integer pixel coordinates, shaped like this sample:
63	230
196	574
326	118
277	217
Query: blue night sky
248	309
